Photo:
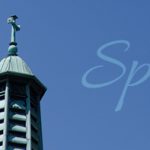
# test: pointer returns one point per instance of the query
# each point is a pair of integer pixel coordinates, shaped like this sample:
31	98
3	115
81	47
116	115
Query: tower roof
14	68
14	64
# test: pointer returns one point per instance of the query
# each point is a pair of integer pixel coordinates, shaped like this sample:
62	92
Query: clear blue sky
59	40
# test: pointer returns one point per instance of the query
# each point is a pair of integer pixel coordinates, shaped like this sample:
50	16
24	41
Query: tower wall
20	120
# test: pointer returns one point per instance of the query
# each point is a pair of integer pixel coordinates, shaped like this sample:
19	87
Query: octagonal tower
20	95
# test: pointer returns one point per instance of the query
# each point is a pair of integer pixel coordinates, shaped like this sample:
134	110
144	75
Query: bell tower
20	95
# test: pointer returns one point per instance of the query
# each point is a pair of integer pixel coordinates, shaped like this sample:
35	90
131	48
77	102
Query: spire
12	50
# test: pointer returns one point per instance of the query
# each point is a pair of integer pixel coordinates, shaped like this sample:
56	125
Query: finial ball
12	49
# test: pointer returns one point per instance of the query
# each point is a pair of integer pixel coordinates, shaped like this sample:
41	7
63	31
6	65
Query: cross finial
12	48
12	20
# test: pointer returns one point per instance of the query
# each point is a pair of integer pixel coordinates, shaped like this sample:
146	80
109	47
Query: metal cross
12	20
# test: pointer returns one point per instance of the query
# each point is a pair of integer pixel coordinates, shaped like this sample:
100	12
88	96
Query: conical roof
14	64
15	67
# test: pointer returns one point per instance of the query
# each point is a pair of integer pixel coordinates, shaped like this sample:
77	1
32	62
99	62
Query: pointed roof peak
13	63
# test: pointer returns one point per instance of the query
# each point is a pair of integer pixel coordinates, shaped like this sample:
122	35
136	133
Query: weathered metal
13	44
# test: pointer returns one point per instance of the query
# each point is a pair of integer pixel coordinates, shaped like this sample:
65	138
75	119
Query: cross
12	20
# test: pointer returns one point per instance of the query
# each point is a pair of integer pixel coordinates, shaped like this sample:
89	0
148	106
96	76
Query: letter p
134	70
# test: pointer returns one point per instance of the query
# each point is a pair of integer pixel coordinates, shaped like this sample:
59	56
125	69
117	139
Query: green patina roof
14	64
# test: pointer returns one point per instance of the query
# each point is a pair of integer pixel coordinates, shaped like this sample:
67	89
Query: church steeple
20	95
14	63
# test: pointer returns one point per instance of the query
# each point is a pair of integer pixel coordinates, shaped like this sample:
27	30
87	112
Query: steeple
14	63
12	50
20	96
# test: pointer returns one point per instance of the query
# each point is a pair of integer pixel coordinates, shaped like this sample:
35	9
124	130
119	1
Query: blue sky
59	40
